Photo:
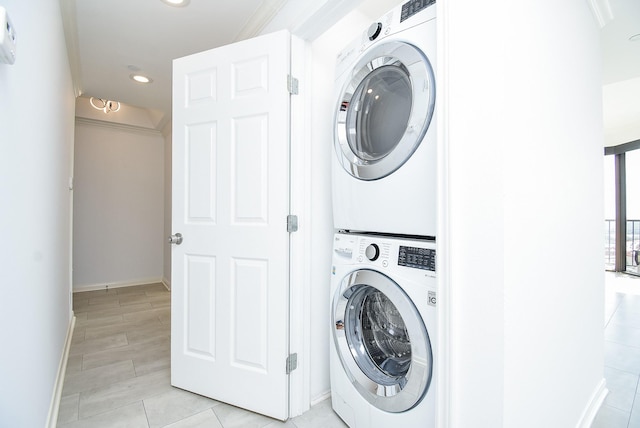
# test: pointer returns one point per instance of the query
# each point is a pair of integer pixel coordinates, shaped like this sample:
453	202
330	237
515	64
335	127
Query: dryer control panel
419	258
412	7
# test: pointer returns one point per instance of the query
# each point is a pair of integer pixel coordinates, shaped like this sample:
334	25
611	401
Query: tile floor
621	408
119	368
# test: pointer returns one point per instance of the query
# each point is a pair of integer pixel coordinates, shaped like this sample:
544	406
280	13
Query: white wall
118	206
523	117
36	148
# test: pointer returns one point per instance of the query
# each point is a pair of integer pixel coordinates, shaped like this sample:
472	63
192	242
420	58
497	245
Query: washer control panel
386	252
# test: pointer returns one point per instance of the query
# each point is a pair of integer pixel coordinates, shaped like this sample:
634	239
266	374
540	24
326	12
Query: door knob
176	239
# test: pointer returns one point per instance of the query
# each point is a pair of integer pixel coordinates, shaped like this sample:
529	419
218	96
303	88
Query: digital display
419	258
412	7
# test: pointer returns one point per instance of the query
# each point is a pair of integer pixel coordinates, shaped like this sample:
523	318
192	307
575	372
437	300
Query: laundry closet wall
522	225
324	50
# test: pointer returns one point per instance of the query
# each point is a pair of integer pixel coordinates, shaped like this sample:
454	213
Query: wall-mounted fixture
104	105
7	38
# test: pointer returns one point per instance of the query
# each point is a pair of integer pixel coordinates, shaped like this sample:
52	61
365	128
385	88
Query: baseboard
52	419
119	284
590	412
167	283
320	398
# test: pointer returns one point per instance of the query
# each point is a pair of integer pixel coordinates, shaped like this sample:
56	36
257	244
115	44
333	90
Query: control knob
372	252
374	30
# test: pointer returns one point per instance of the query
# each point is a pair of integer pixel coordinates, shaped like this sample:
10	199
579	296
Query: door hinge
292	223
292	362
292	84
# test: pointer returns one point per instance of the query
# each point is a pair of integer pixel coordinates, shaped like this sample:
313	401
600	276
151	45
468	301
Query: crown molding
70	26
601	11
118	126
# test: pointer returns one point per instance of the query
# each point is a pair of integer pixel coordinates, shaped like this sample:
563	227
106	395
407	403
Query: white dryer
383	323
384	165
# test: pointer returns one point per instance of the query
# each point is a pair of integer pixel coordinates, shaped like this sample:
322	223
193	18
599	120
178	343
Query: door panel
250	154
201	170
230	284
250	342
200	299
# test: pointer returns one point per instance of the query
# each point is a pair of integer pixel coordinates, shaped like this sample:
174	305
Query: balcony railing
632	246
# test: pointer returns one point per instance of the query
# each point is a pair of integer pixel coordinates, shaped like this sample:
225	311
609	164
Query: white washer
383	323
384	163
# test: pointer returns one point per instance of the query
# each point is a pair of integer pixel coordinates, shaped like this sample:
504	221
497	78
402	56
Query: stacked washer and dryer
383	284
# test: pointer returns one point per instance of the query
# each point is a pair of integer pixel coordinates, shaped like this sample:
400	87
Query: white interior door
230	284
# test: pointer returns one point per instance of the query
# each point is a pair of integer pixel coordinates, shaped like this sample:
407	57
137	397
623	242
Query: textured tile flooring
119	368
621	408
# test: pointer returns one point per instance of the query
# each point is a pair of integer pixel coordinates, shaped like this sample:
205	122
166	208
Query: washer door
384	110
382	341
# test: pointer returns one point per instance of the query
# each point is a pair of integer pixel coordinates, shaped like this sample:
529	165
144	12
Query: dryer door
384	110
382	341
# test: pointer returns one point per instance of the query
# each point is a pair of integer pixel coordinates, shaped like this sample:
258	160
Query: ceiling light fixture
635	38
176	3
104	105
140	78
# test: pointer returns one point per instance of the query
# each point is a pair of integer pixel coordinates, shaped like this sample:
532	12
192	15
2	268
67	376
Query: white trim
443	250
52	419
167	283
594	404
262	16
311	27
601	11
70	26
319	399
299	268
119	126
118	284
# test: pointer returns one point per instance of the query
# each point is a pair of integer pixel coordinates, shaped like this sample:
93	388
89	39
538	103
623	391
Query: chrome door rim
420	73
392	395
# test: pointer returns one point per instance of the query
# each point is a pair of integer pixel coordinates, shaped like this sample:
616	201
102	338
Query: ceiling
621	57
110	40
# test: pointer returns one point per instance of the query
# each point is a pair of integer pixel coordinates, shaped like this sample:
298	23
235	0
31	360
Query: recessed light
635	38
176	3
140	78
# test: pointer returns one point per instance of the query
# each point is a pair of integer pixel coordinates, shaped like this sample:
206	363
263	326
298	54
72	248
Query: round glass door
384	110
382	342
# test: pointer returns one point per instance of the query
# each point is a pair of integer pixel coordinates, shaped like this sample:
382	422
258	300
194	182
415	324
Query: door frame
299	241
